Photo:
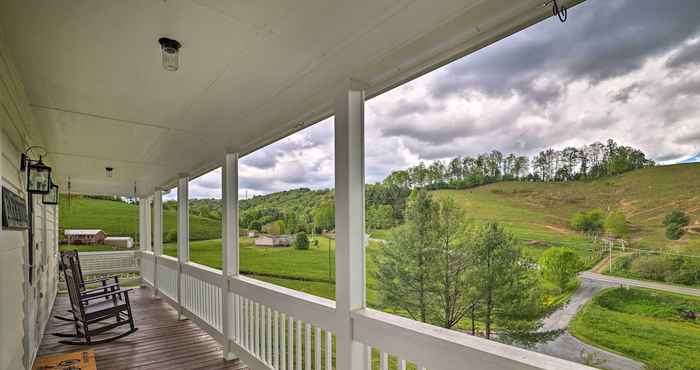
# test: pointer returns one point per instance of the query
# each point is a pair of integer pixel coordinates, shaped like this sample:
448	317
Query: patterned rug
83	360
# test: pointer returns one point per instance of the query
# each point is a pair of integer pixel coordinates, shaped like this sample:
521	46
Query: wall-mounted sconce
38	174
52	196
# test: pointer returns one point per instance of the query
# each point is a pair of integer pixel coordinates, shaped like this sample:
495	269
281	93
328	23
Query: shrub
302	241
674	231
170	236
675	222
588	221
616	224
678	217
653	267
559	266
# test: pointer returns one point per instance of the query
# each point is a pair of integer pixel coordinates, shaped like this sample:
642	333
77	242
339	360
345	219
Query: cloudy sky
624	69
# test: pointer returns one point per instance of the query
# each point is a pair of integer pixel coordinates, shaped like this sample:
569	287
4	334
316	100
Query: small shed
273	240
252	233
120	241
84	236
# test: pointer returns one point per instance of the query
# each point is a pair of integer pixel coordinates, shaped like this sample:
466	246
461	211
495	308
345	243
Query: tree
380	217
301	241
616	224
455	168
509	293
675	223
559	266
452	268
404	275
588	221
274	227
324	217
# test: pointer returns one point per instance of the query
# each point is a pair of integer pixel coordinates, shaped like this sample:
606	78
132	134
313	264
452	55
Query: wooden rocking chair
89	294
93	320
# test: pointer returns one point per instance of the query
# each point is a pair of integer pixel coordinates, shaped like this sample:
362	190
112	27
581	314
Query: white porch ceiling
250	72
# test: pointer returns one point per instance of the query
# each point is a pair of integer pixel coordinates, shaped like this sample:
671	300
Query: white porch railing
278	328
122	263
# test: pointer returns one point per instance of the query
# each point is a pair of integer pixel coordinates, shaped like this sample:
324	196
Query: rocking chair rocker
91	320
89	294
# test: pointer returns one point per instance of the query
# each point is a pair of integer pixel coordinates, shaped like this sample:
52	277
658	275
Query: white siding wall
20	333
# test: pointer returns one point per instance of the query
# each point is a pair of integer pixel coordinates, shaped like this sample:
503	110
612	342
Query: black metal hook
560	12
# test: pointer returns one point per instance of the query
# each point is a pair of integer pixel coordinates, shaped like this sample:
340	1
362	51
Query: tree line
587	162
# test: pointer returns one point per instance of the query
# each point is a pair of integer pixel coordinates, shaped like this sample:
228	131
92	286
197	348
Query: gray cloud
601	40
690	54
690	138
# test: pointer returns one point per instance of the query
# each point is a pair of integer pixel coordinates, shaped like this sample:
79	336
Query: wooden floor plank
162	341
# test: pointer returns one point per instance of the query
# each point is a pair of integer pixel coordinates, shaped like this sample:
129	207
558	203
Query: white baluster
263	333
290	348
384	361
276	345
368	357
269	335
299	345
307	347
329	350
256	332
317	348
283	344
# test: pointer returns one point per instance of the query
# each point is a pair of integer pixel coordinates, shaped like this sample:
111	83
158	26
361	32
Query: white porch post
229	246
158	222
147	218
349	220
183	233
157	235
142	224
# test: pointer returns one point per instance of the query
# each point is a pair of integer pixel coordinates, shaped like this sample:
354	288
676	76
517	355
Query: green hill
537	213
121	219
540	212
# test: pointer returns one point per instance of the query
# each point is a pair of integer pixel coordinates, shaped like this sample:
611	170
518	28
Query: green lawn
535	228
311	271
121	219
644	325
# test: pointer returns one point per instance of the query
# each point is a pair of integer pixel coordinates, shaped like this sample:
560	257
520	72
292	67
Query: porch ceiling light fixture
38	174
52	196
169	49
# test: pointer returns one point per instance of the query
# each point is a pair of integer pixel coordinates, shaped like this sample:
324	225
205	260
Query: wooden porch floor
161	342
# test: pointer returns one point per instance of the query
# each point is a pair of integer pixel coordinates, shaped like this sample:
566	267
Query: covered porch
250	75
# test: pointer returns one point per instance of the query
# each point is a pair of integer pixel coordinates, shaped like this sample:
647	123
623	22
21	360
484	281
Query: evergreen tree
509	293
404	274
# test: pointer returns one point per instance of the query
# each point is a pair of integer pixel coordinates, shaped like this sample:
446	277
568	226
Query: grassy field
542	211
644	325
121	219
311	271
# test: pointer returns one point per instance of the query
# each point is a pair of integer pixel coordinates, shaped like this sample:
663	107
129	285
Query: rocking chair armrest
102	288
107	294
102	280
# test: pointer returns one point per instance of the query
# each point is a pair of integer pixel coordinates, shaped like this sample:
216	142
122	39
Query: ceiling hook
560	12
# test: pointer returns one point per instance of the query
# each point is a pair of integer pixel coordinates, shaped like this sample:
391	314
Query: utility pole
610	245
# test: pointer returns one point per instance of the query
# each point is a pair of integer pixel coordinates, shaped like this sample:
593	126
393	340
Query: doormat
83	360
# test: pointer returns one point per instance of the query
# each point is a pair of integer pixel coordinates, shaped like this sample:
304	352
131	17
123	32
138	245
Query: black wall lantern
52	196
38	174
